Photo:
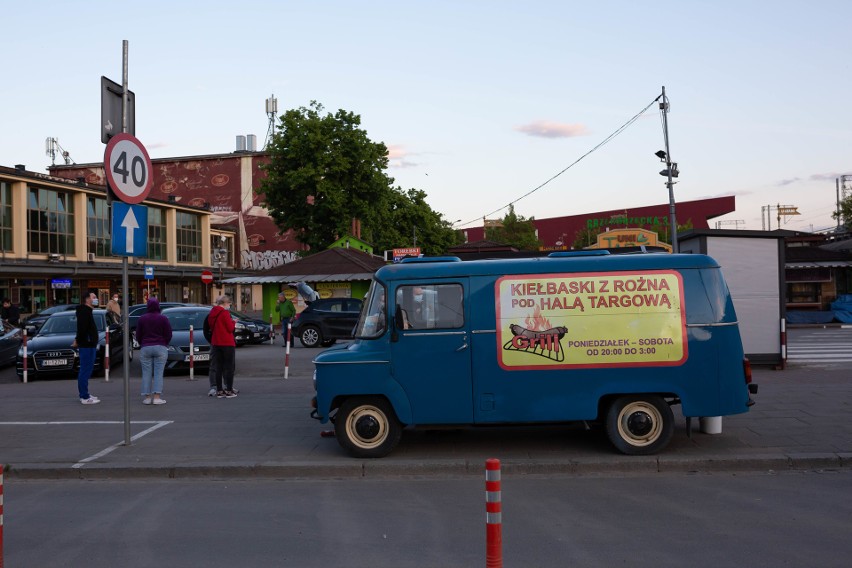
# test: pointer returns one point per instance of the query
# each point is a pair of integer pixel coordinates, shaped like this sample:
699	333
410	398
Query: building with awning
338	272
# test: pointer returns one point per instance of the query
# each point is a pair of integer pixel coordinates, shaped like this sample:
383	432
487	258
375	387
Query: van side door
431	356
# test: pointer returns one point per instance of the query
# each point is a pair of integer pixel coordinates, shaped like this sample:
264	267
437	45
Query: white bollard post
710	424
191	355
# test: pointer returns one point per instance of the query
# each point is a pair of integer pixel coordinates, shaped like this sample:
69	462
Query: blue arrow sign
129	229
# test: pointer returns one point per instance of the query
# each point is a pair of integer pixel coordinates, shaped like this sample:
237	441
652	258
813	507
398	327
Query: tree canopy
845	213
516	231
324	171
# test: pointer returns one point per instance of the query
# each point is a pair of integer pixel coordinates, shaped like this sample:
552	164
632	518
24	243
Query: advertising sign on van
591	320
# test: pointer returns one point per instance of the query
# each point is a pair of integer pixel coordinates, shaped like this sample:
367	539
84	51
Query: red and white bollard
106	356
287	346
493	515
25	357
191	355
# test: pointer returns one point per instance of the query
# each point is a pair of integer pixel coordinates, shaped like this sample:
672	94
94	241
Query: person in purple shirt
153	332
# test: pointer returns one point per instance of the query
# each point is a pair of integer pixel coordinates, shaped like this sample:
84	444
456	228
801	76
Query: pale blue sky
759	92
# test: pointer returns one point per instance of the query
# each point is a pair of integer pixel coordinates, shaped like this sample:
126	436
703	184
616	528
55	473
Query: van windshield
374	317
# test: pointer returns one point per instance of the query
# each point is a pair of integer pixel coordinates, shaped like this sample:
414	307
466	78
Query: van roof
453	267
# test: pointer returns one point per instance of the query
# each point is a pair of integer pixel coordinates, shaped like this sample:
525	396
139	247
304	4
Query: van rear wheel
367	427
640	425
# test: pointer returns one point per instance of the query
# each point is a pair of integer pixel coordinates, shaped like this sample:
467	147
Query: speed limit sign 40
128	168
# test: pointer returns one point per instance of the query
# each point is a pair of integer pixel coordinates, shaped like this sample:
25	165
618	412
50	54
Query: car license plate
199	357
257	335
54	362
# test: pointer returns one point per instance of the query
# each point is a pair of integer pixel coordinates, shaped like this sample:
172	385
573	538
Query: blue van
574	336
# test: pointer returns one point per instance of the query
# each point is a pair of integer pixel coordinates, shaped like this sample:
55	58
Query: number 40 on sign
128	168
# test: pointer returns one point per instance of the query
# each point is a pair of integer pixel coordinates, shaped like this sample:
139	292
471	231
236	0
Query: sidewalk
800	421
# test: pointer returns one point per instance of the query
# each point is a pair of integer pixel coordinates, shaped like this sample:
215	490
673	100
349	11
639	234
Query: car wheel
367	427
639	425
310	336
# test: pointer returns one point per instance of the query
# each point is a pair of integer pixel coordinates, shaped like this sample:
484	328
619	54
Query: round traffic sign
128	168
206	276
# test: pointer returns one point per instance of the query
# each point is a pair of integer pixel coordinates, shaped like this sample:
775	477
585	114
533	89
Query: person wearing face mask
86	342
114	306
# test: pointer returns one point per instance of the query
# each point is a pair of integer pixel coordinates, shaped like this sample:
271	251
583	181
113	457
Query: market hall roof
331	265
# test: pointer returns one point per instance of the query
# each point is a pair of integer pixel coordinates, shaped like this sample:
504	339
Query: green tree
410	218
323	172
845	213
586	237
516	231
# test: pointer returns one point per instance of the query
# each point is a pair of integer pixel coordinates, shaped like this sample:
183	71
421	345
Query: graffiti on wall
264	260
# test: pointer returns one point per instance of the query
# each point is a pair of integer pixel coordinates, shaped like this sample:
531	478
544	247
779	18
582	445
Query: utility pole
670	171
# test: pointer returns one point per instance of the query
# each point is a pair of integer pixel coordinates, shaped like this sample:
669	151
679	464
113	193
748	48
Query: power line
618	131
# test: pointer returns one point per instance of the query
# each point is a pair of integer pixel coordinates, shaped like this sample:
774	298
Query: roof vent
20	168
241	143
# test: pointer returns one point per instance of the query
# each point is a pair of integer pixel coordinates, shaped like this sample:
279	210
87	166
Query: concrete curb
379	469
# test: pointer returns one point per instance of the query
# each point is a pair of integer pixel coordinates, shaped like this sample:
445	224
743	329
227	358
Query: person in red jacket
222	348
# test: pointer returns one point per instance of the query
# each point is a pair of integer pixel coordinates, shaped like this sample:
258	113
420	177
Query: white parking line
157	424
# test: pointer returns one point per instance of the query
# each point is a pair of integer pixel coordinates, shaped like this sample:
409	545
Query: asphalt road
722	519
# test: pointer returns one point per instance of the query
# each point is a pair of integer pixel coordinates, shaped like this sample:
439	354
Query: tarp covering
842	308
806	316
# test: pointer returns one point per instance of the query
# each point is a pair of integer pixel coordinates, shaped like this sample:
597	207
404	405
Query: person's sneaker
220	394
159	401
212	392
90	400
146	400
235	391
230	394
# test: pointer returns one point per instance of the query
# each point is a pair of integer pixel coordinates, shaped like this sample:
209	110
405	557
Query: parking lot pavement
800	421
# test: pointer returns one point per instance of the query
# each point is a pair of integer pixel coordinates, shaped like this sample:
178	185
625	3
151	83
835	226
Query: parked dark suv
325	321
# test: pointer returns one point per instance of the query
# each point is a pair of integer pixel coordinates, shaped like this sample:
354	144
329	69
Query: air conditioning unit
90	257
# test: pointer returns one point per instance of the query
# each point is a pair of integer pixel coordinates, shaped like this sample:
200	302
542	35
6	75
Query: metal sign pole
124	279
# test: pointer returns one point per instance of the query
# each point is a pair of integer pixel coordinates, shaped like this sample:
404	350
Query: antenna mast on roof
271	111
51	146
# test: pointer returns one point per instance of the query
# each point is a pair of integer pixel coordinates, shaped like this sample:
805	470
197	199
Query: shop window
50	221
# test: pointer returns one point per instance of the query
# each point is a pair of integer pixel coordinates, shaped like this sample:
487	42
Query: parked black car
136	311
181	318
35	321
49	353
10	341
326	320
249	329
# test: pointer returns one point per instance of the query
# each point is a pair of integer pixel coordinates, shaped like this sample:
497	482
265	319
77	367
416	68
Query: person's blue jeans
153	359
87	365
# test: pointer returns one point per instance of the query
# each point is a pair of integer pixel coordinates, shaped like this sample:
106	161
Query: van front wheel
640	425
367	427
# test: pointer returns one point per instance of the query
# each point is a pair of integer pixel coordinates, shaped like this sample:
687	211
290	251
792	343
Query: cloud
831	176
824	177
549	129
397	157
